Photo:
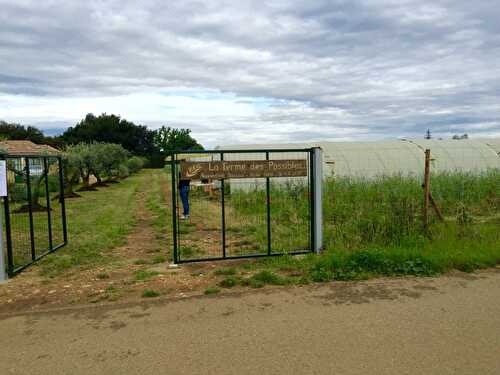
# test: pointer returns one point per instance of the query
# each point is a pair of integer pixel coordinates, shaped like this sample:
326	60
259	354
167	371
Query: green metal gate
34	210
243	218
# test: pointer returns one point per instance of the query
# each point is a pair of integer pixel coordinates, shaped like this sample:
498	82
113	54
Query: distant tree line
138	140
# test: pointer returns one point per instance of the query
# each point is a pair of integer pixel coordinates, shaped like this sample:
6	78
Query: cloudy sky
255	71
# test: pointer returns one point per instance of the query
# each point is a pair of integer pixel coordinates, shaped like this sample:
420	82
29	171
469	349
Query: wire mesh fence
34	210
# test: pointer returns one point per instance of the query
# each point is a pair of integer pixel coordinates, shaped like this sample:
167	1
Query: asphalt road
448	325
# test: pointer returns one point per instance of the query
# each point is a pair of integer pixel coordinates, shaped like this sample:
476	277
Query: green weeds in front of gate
374	228
378	212
433	257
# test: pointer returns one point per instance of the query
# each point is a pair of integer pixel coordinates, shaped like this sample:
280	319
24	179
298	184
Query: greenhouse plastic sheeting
405	157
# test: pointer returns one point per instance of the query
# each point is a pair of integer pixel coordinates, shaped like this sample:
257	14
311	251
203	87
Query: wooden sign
216	170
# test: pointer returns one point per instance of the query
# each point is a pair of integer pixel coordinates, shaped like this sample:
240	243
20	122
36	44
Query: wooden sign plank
216	170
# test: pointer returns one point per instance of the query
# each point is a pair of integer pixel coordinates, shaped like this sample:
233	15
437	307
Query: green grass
226	271
149	293
97	222
374	228
158	204
371	228
229	282
142	275
211	290
450	247
268	277
158	259
358	213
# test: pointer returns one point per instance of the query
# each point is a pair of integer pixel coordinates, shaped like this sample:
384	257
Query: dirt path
448	325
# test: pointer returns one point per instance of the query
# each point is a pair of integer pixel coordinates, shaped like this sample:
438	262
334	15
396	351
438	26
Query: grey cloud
392	67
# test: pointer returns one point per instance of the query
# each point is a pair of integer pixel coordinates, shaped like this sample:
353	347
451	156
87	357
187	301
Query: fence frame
11	269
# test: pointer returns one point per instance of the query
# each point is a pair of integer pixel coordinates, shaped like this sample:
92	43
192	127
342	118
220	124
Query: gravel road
447	325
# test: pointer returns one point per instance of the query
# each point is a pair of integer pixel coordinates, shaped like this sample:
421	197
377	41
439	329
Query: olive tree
71	172
109	158
83	157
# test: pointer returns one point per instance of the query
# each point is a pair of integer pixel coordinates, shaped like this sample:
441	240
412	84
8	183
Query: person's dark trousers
184	192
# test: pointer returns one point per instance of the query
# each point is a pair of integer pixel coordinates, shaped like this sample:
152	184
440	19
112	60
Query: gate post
317	199
3	193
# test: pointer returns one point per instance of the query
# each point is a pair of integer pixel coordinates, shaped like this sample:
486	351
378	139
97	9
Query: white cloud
327	69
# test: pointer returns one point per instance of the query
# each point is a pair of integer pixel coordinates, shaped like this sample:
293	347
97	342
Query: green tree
168	139
83	158
137	139
135	164
71	172
109	158
20	132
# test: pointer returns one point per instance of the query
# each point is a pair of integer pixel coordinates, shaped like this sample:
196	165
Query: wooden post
427	181
436	208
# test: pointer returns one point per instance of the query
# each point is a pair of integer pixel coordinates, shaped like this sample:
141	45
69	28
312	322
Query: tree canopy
168	139
109	129
20	132
137	139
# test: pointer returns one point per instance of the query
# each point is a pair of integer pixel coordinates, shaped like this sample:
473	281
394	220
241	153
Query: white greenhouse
379	158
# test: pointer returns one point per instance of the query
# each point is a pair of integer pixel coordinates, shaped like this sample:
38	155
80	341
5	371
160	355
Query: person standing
184	193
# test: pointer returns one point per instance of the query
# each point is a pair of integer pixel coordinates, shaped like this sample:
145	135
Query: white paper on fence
3	178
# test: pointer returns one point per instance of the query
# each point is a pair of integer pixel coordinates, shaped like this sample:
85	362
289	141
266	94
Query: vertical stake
425	213
174	208
62	200
30	207
8	235
223	212
3	174
312	183
47	195
268	196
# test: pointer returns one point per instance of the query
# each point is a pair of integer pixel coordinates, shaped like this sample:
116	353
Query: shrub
135	164
268	277
123	171
226	271
149	293
211	290
229	282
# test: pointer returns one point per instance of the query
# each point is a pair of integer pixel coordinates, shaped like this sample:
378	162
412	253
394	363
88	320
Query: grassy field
372	228
97	222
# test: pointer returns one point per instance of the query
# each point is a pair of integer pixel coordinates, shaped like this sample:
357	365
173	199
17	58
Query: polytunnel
493	143
405	157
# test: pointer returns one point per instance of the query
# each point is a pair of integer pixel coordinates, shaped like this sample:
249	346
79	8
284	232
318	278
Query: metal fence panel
34	210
